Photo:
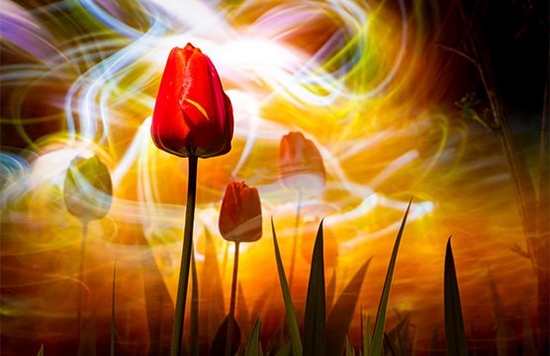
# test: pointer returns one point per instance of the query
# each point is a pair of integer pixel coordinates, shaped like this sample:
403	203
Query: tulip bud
88	189
192	116
300	164
241	213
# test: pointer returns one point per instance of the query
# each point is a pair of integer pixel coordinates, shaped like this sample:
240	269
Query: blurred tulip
192	116
300	168
300	164
88	196
241	213
88	189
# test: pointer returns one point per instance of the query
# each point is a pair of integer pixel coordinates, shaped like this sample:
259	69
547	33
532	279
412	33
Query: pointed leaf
220	339
367	336
41	351
400	338
286	350
377	344
315	316
296	343
340	316
454	324
389	345
349	349
254	348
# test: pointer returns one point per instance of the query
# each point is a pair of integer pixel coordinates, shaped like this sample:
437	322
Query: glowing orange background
363	80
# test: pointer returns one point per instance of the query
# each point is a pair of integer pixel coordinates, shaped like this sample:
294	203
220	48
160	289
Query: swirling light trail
348	74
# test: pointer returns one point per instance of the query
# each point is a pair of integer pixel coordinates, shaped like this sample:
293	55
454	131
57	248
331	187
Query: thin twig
533	213
458	52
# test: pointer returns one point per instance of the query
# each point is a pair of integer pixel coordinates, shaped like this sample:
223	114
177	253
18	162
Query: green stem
228	341
81	275
113	312
194	332
295	241
183	283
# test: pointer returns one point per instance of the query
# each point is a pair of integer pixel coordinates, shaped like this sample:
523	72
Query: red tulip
193	116
241	213
300	164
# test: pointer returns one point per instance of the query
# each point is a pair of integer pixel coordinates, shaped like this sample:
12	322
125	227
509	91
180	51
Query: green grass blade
296	342
377	343
389	346
367	336
286	350
349	349
315	316
41	351
253	348
454	324
400	337
340	316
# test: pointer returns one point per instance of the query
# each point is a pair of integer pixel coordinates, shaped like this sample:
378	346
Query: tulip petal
241	213
192	115
198	106
301	165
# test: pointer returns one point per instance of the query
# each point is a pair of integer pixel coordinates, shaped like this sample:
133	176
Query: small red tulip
193	116
300	164
241	213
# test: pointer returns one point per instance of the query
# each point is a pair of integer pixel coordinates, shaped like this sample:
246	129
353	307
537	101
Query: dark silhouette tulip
192	116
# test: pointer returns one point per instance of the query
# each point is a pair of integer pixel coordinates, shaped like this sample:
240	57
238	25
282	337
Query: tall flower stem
295	240
183	283
81	274
232	301
113	295
194	325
